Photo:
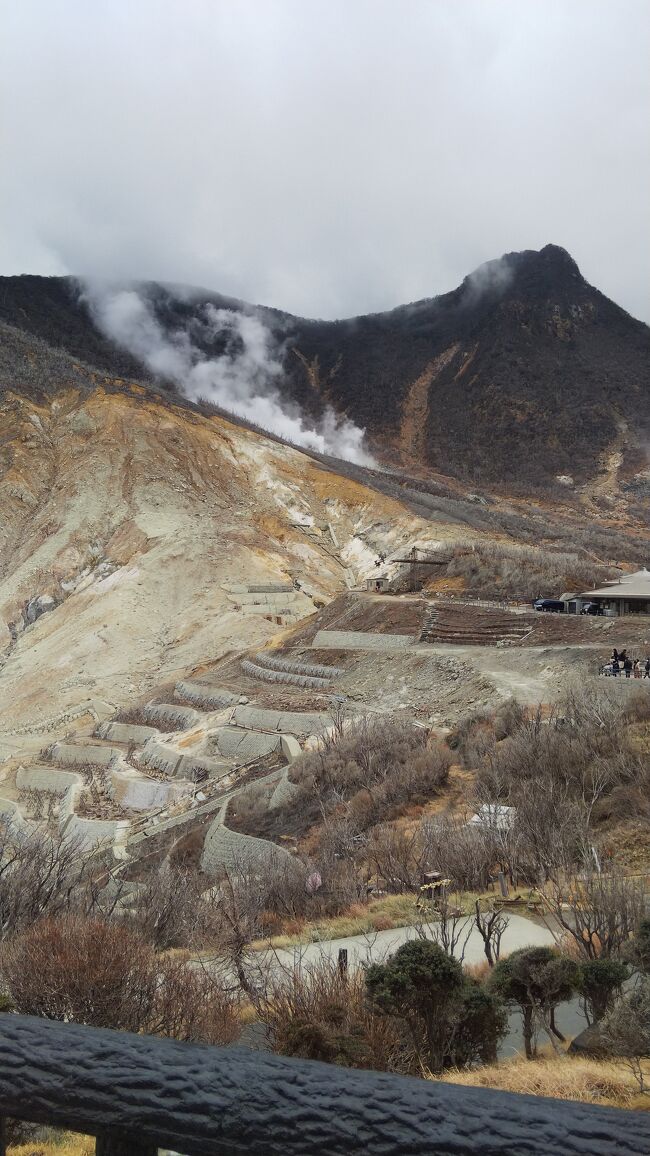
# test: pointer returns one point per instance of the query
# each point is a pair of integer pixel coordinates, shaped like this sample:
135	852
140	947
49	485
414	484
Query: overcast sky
329	157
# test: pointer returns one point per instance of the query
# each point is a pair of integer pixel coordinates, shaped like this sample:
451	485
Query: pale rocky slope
146	523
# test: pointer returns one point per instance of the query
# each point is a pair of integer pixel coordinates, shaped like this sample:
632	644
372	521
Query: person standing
646	669
637	668
627	666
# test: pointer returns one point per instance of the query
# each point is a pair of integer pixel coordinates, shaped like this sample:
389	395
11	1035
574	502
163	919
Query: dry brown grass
560	1077
69	1146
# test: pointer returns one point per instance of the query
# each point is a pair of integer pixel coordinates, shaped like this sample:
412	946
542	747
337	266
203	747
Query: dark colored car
592	608
552	605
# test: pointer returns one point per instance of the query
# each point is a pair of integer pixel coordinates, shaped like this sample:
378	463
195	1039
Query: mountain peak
552	260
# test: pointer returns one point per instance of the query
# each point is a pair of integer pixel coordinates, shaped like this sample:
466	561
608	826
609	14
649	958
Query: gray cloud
329	157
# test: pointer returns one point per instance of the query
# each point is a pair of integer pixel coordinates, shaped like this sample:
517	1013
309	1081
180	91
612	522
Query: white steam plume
242	380
491	277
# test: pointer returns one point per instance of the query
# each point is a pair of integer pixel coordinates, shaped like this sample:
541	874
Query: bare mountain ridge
522	374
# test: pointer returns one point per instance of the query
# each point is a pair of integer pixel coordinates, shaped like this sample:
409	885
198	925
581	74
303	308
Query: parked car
592	608
551	605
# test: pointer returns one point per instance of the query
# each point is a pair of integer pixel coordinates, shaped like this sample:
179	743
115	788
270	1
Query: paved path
376	946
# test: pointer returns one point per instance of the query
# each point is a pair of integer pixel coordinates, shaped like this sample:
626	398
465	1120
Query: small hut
378	584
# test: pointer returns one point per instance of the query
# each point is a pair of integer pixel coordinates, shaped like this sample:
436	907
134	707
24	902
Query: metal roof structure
635	585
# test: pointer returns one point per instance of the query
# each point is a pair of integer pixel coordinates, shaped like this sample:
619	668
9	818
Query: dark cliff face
522	373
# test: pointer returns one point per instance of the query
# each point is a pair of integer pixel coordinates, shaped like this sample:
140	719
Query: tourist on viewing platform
646	668
627	666
637	668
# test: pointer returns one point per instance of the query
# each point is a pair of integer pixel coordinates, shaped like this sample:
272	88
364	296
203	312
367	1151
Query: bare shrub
40	874
625	1030
191	1004
321	1013
563	775
72	968
491	925
397	857
465	853
165	910
101	973
505	570
599	911
386	762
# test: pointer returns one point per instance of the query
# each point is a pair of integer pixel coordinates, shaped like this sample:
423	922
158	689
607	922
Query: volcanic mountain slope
522	374
131	530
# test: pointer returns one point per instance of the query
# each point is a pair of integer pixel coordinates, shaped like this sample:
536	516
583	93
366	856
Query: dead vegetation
590	1081
96	972
504	570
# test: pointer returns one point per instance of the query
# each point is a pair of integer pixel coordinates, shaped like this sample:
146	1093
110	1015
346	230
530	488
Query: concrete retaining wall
10	813
290	747
141	794
284	792
243	746
77	754
118	732
265	675
296	666
90	832
45	778
272	601
183	717
271	588
228	850
358	640
190	764
202	695
292	722
160	757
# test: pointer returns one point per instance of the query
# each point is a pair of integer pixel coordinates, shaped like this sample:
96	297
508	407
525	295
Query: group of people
621	663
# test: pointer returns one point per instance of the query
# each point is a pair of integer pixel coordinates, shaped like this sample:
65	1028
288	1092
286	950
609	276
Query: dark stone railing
138	1093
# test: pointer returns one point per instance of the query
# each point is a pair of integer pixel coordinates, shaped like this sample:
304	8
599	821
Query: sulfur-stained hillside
133	535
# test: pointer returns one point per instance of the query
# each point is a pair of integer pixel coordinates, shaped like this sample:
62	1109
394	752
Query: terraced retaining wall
77	754
118	732
243	746
89	832
10	813
265	675
359	640
228	850
44	778
183	717
203	695
141	794
296	666
293	722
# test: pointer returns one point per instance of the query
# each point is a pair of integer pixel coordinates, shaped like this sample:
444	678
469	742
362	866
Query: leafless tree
444	922
460	851
40	874
165	910
397	857
600	911
491	925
